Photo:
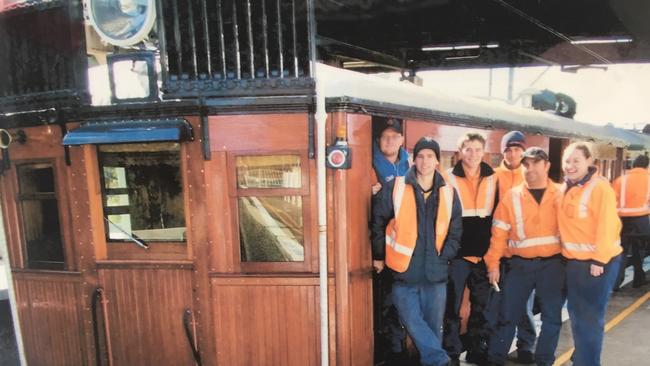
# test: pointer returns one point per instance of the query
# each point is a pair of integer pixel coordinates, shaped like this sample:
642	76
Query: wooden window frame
304	192
64	220
158	250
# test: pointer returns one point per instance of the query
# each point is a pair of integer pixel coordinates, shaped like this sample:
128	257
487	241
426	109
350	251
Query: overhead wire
552	31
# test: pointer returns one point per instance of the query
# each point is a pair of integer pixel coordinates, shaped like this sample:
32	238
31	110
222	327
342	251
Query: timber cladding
145	314
49	308
264	321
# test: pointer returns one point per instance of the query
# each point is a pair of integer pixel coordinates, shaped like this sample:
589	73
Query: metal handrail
190	333
98	295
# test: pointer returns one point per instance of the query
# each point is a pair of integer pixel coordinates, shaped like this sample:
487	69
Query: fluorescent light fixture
464	46
602	40
438	48
468	47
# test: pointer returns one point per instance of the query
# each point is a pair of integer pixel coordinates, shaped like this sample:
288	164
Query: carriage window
40	216
271	216
142	192
278	171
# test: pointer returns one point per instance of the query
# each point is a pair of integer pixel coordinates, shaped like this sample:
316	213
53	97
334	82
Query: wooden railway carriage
189	231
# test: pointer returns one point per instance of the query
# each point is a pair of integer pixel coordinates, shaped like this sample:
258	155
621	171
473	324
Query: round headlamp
122	22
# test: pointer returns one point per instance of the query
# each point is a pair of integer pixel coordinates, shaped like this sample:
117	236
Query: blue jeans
587	302
421	309
526	327
546	277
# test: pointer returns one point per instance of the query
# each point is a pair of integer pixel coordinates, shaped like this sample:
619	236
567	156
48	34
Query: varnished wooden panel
265	324
258	132
50	319
361	325
145	312
359	193
359	303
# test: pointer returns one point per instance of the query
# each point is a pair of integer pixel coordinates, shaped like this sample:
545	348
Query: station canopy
380	35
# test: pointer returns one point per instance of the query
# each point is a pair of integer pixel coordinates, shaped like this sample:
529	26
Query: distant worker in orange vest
511	174
590	234
416	228
525	234
633	198
476	185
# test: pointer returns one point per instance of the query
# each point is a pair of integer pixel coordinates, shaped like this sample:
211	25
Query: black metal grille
42	56
234	47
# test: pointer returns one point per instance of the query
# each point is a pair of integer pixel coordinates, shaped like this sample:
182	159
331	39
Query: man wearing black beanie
416	228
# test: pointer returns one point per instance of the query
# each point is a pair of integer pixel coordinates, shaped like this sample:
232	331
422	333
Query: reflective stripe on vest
524	242
622	208
583	207
584	247
527	243
402	231
519	216
501	225
490	192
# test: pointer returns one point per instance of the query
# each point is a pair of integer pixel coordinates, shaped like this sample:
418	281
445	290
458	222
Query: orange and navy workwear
402	231
508	178
633	193
523	227
589	225
478	198
419	221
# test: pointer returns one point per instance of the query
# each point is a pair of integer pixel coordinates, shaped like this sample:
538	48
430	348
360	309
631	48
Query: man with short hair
511	174
633	198
525	232
390	160
416	227
476	185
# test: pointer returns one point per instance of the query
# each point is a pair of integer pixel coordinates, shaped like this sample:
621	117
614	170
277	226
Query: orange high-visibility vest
523	227
508	178
633	193
402	231
589	225
480	205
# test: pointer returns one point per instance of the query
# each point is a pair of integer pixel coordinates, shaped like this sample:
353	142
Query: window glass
131	79
40	216
142	192
272	171
271	229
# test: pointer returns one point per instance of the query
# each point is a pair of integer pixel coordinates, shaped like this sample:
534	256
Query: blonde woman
590	233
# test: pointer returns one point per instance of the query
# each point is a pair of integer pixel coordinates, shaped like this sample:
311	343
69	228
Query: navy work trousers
526	335
587	298
547	277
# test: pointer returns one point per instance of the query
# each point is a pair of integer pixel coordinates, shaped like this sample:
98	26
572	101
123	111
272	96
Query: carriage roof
344	87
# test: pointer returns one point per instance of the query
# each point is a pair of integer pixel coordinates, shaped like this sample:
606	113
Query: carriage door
143	266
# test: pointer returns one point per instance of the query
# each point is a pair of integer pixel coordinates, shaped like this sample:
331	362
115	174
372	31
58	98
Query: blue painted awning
118	132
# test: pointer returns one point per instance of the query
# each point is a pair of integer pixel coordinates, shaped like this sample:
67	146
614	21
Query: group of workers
507	235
